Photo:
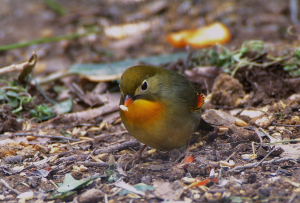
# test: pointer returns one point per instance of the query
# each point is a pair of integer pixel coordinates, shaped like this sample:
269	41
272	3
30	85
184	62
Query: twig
253	165
7	185
42	91
106	199
231	155
292	197
21	66
283	141
278	124
44	136
44	40
97	164
118	147
116	192
101	164
274	161
91	113
53	183
266	156
56	7
73	158
74	143
53	77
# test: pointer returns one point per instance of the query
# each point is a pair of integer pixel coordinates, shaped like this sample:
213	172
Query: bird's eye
144	85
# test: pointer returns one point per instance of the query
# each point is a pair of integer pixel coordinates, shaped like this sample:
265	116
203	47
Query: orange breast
142	112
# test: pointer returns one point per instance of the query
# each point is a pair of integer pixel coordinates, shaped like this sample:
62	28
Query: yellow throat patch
143	112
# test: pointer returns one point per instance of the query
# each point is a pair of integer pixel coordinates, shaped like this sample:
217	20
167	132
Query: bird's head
140	82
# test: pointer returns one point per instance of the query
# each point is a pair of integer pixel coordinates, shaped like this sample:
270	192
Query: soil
232	163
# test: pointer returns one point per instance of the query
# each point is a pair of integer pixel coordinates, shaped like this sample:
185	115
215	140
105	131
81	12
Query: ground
252	154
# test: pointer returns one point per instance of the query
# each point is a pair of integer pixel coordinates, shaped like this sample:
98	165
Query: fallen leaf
64	106
204	182
168	191
112	71
202	37
188	160
70	183
140	187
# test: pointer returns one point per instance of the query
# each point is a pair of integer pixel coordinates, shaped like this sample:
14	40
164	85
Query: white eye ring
144	85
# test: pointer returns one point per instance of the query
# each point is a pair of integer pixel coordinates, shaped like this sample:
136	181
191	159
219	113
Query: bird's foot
136	156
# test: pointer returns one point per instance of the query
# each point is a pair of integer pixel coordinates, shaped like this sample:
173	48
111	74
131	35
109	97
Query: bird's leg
140	152
137	155
187	147
186	151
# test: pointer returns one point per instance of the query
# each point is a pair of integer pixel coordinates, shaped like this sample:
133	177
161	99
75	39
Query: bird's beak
128	100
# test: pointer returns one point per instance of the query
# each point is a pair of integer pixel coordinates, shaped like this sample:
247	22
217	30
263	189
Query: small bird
159	107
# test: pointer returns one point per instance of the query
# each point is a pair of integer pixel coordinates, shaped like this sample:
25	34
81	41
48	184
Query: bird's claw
136	156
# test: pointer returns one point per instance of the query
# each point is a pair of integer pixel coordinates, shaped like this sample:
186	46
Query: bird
159	107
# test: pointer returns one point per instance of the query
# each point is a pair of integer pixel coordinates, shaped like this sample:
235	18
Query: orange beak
128	100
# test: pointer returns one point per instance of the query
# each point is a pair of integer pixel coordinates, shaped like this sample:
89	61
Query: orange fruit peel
201	37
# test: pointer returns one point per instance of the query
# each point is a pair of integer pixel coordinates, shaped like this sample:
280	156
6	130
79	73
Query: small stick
105	196
117	147
97	164
44	136
278	124
116	192
101	164
231	155
253	165
6	185
266	156
53	183
44	40
72	158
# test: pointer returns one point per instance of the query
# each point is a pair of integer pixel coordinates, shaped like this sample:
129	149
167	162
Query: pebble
218	117
277	135
187	200
9	197
249	157
83	168
6	142
280	128
197	196
273	179
293	97
263	122
23	174
45	180
251	113
76	169
230	163
146	180
26	195
2	197
240	123
271	128
295	119
234	112
265	109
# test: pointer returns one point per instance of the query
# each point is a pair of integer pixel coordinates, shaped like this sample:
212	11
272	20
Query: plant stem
43	40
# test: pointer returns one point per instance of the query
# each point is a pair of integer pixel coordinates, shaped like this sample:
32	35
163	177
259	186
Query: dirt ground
252	155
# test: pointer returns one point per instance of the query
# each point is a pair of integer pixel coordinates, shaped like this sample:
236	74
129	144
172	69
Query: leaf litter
254	118
236	130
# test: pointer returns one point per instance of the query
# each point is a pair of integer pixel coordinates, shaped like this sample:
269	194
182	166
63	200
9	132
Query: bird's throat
143	112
